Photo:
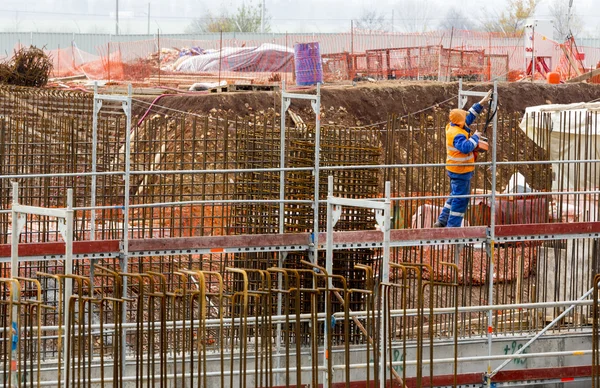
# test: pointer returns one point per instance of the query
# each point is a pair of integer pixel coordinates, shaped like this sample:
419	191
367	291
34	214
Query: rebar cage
172	314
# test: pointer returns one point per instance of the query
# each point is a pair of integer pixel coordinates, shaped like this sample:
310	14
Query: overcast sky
172	16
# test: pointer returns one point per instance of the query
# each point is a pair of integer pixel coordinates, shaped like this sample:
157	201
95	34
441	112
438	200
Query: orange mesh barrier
344	56
571	60
337	67
429	62
433	55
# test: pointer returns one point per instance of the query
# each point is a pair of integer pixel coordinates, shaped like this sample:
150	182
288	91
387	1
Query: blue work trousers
454	210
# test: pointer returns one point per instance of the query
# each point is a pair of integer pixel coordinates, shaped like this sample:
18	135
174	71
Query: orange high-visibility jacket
459	143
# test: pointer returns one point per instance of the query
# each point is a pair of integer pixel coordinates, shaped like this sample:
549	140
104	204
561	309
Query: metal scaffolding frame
123	255
383	217
463	95
292	242
65	225
315	103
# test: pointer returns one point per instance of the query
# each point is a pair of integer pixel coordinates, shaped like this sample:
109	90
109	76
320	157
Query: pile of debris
28	67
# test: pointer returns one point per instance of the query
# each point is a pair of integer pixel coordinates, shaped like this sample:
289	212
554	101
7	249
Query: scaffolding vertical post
14	237
462	95
385	226
329	267
330	224
14	272
126	104
316	105
492	229
96	111
285	104
68	236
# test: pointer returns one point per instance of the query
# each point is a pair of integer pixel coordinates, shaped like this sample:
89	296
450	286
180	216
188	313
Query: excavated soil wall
368	103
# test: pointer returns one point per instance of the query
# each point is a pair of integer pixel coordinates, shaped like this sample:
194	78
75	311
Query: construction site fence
438	55
216	176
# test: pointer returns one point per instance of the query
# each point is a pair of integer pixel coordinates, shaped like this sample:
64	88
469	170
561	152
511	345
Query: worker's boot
438	225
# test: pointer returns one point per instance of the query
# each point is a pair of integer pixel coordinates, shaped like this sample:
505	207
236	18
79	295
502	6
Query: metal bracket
313	104
98	106
380	219
494	103
21	221
282	258
457	252
463	101
488	248
62	228
311	254
286	103
337	213
486	379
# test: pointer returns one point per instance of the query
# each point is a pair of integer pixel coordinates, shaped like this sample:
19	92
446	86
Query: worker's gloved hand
478	134
487	98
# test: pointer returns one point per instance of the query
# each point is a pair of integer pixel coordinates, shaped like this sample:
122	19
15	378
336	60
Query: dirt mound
368	103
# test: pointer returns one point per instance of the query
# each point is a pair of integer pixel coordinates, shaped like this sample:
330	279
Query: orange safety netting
441	55
478	56
71	62
571	60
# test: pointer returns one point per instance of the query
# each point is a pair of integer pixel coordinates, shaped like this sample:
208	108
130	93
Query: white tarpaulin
266	57
567	132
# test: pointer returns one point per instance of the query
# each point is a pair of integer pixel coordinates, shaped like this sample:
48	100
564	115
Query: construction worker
460	145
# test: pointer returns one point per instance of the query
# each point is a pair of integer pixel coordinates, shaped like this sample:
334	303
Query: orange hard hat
458	117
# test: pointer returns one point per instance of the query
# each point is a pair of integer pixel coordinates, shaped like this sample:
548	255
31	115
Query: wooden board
585	77
149	91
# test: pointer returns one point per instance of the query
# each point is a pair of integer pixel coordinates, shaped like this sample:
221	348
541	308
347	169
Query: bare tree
246	19
371	20
456	19
414	15
196	26
212	23
566	20
513	19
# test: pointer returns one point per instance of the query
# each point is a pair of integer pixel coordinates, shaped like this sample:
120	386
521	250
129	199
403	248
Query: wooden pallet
254	88
219	89
244	88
